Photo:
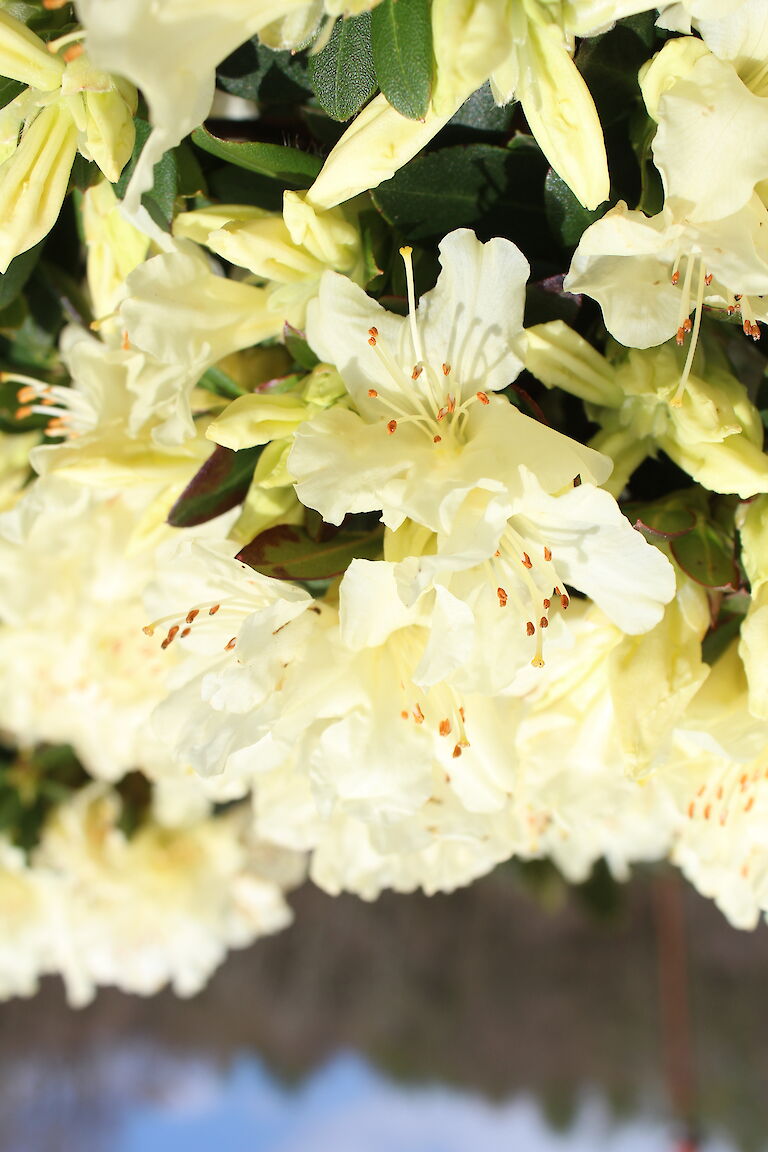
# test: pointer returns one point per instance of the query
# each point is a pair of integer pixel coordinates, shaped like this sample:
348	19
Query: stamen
53	46
445	727
407	254
372	393
547	553
530	628
527	562
677	399
502	595
392	427
483	398
230	644
446	369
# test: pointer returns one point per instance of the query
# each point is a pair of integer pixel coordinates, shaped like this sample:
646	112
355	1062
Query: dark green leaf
221	483
567	216
189	175
255	72
160	200
498	191
288	552
9	90
716	641
297	346
343	75
610	64
220	383
706	554
481	113
18	272
292	167
401	39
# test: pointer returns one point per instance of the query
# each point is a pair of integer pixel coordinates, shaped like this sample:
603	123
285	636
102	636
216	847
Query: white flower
76	667
427	429
161	907
170	51
125	419
717	777
287	253
27	899
715	434
648	274
234	632
178	310
700	156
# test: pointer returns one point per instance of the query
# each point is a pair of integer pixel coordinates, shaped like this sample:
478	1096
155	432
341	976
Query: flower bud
33	181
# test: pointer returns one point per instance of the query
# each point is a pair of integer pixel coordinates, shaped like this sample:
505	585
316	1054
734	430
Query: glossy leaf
296	344
219	485
401	39
289	552
498	191
706	554
567	217
293	168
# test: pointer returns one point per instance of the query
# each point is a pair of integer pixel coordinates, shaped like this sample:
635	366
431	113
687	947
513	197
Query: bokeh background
516	1014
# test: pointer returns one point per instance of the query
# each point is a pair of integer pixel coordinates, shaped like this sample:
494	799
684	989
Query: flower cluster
343	534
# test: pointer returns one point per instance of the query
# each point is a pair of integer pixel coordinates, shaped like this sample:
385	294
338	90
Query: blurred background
516	1014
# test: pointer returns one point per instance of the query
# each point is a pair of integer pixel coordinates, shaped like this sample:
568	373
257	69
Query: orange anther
172	634
564	601
22	413
708	279
547	554
373	330
392	426
212	611
483	398
675	277
185	632
456	751
436	439
230	644
527	562
544	623
446	369
547	603
502	595
372	393
417	371
530	628
749	804
192	615
445	727
418	715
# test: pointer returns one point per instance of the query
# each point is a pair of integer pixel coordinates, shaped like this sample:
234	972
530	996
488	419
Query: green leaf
401	39
289	552
292	167
567	217
221	483
498	191
662	519
160	200
481	113
343	75
707	555
220	383
255	72
610	64
19	270
296	344
9	90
